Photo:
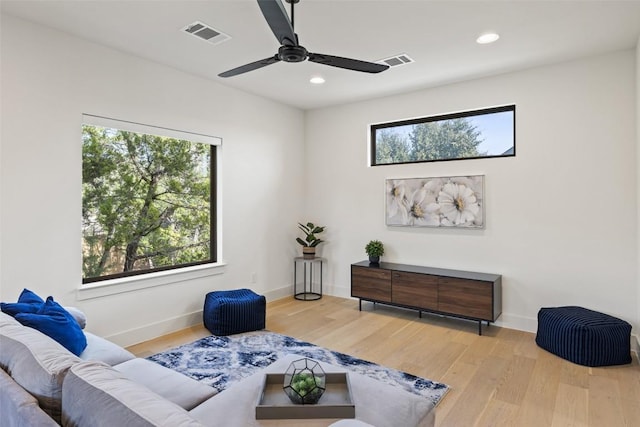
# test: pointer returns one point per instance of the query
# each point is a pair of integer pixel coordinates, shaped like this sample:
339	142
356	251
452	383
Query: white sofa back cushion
94	394
5	319
105	351
37	363
77	314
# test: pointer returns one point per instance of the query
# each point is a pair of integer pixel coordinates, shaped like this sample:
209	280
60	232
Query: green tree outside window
146	202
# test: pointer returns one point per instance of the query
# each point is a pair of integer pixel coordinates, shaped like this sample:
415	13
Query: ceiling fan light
317	80
487	38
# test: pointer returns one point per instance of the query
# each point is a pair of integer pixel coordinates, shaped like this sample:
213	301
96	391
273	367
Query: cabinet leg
419	314
480	327
359	304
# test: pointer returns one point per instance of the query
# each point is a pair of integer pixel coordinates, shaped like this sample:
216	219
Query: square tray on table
336	401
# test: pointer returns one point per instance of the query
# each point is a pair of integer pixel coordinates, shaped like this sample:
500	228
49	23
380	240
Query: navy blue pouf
233	312
583	336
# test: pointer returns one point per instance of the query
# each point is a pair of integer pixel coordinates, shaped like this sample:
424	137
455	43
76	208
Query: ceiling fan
290	50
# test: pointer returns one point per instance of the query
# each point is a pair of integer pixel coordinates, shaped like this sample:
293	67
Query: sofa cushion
18	408
5	319
77	314
115	400
54	321
105	351
174	386
37	363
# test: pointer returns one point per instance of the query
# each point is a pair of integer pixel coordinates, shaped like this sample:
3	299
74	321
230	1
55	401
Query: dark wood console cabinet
464	294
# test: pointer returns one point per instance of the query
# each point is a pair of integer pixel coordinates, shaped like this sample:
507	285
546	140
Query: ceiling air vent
397	60
204	32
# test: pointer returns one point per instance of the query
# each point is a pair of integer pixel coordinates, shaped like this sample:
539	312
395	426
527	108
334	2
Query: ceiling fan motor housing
292	53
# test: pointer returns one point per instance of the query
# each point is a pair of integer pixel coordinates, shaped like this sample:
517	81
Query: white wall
48	80
561	215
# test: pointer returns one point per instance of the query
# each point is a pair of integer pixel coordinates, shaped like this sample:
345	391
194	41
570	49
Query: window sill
161	278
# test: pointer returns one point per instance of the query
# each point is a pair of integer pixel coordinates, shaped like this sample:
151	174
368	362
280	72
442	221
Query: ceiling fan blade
250	67
278	20
347	63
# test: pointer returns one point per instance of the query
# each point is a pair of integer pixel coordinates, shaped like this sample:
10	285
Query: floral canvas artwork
455	201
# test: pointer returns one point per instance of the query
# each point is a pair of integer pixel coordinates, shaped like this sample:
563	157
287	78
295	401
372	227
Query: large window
148	199
468	135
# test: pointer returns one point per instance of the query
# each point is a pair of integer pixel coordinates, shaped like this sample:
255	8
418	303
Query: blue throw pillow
28	302
53	320
29	297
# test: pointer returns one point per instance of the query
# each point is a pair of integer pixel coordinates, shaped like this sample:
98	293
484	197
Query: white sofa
43	384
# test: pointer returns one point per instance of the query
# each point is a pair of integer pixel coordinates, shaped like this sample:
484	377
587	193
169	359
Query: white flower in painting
458	203
473	182
397	201
423	209
433	186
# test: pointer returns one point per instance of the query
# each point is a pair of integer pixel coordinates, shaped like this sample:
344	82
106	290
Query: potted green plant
304	381
375	249
310	240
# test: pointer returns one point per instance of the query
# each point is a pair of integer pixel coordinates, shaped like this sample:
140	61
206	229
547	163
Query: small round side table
311	283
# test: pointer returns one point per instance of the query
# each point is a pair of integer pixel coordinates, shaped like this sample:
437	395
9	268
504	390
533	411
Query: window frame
441	117
213	142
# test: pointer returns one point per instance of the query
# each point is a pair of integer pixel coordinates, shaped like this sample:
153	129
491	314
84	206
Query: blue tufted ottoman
233	312
583	336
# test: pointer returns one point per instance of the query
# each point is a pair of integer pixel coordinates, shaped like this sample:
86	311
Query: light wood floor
499	379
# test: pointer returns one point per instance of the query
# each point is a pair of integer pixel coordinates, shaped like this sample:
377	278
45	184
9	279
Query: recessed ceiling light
317	80
487	38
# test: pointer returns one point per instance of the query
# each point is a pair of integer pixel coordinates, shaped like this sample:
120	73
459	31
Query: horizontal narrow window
468	135
148	199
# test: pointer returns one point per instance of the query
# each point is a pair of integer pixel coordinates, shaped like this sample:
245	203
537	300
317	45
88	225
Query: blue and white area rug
221	361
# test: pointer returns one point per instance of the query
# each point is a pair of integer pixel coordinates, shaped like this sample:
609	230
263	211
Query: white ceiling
438	35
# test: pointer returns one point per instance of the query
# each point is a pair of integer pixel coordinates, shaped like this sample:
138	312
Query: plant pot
374	259
309	252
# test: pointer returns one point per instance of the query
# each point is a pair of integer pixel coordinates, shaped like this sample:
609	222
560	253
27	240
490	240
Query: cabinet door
414	290
371	283
466	298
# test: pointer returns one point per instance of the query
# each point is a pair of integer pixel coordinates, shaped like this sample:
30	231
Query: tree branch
168	251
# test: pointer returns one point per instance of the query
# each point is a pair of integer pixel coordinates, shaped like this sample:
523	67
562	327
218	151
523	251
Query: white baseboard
337	291
635	344
327	289
157	329
278	293
520	323
174	324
